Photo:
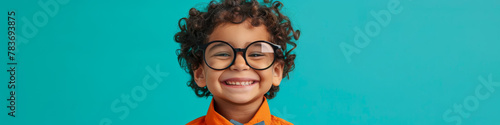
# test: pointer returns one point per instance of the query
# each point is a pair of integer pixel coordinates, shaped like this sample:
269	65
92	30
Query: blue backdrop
360	62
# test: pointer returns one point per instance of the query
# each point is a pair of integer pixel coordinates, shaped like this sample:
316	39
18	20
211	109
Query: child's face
239	36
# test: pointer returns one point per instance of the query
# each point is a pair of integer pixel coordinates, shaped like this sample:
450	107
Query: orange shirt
263	114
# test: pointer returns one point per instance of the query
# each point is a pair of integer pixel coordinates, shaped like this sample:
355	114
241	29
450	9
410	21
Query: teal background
427	59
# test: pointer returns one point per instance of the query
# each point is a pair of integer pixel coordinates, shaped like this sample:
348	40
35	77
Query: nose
239	63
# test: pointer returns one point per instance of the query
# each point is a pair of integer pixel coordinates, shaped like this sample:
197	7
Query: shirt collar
263	114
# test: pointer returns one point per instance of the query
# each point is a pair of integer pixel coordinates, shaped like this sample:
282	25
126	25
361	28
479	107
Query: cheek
266	77
212	78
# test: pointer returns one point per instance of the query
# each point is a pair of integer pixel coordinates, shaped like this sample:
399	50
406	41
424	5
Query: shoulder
279	121
197	121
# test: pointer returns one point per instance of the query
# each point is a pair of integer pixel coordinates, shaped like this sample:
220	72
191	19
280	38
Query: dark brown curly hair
199	25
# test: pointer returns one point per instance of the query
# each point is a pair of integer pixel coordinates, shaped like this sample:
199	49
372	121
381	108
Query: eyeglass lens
220	55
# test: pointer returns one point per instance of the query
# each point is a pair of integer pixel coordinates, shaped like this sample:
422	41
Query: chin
242	98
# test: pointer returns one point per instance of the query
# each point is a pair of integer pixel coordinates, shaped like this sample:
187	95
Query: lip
255	81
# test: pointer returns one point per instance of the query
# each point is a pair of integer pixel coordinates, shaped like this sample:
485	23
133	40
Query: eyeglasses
220	55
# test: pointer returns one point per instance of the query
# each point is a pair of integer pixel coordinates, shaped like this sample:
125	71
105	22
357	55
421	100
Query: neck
242	113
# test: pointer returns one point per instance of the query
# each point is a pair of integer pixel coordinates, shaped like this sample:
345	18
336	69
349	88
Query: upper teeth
239	82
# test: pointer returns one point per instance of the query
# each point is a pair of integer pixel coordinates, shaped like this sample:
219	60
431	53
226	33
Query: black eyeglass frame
236	50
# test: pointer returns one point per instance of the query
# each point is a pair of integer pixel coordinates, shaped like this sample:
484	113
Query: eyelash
255	55
222	54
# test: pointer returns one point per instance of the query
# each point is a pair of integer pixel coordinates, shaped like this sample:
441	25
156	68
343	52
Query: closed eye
222	55
255	55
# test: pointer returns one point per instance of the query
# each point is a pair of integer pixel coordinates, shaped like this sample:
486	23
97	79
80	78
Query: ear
199	76
277	73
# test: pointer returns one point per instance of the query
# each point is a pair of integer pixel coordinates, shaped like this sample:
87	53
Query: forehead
239	35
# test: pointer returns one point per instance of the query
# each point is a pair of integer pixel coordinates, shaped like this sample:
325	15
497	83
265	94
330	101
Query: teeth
239	83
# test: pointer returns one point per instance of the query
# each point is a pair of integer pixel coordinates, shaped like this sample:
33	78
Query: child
237	52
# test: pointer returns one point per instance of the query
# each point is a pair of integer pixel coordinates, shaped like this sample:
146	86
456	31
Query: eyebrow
216	46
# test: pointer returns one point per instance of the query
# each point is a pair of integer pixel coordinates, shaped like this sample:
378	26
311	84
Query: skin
238	105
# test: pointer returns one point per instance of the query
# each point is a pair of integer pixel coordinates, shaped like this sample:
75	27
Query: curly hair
199	25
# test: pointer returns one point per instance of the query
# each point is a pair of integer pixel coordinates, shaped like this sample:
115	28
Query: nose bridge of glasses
239	62
238	51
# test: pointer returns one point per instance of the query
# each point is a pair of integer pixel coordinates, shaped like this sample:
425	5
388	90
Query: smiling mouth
239	83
